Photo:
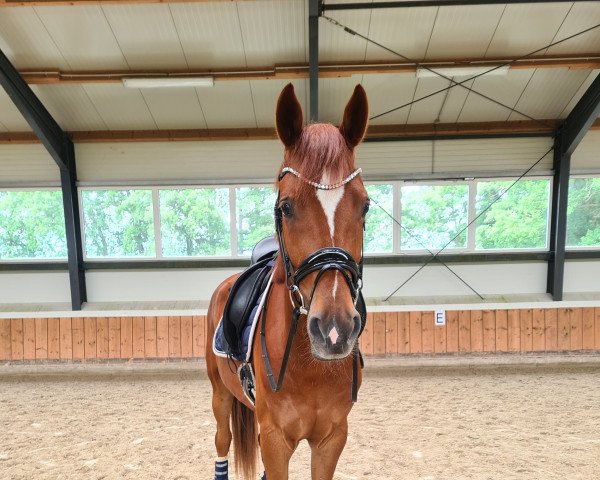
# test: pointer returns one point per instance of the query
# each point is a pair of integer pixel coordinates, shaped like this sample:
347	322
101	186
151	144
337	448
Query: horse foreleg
326	452
276	451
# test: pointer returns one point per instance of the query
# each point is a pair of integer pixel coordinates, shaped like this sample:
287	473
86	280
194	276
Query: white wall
436	280
154	285
34	287
380	280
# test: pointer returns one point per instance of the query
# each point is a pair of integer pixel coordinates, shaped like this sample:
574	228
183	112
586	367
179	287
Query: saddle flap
243	297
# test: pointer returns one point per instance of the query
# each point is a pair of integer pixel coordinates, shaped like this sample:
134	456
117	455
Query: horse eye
366	208
286	208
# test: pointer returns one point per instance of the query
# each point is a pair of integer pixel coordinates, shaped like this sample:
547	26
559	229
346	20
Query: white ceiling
182	36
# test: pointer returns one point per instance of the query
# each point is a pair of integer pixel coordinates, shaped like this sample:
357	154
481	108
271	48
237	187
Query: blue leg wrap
221	469
264	477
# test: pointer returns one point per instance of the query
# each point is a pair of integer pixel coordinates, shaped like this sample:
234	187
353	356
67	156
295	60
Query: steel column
61	149
68	179
558	220
568	135
313	58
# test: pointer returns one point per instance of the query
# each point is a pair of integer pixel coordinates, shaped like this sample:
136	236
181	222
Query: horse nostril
315	329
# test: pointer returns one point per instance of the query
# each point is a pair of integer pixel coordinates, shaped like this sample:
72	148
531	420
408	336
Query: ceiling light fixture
459	71
168	82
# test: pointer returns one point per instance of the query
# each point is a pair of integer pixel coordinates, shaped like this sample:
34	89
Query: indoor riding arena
147	146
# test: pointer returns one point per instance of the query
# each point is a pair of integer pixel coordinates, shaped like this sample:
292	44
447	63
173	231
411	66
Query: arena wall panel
31	164
214	161
196	285
525	330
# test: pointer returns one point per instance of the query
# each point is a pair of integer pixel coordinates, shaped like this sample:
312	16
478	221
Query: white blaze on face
329	200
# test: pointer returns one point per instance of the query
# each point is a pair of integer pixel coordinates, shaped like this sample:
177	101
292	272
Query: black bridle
320	261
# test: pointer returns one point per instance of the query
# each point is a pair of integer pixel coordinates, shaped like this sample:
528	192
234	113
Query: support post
313	58
68	182
558	221
567	136
61	149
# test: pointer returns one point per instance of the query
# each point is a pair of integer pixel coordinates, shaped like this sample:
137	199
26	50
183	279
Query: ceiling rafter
586	61
55	3
374	132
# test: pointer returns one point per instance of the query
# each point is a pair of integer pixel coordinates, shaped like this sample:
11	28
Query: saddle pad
219	343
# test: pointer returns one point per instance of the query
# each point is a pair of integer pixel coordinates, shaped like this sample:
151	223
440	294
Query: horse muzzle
333	338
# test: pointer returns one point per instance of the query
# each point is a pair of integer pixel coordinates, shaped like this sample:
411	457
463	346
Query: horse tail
245	440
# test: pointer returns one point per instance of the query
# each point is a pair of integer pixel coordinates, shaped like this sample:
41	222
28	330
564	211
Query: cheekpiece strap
320	186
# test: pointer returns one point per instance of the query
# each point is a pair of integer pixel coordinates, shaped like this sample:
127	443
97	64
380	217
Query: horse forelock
320	150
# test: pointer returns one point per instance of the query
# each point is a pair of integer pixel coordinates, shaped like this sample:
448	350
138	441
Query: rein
322	260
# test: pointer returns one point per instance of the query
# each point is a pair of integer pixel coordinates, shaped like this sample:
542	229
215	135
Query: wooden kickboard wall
386	333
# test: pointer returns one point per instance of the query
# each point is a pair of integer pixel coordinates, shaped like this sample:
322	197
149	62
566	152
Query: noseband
320	261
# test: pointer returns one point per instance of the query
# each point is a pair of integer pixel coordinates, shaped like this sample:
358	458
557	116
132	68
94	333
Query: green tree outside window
254	216
194	222
379	226
583	212
518	220
118	223
32	225
432	215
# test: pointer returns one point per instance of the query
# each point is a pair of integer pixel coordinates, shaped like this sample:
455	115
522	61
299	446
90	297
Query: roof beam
54	3
38	76
330	6
34	112
429	3
581	118
375	132
61	149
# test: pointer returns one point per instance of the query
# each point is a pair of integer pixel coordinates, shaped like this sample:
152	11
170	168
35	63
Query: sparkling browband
321	186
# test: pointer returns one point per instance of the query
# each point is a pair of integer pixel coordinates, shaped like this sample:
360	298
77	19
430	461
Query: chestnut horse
320	214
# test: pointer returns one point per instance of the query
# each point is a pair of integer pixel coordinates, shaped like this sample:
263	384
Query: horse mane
321	148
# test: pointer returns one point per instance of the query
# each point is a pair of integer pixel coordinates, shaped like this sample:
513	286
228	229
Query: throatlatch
324	259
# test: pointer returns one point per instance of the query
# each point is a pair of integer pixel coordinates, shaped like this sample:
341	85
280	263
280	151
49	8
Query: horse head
320	215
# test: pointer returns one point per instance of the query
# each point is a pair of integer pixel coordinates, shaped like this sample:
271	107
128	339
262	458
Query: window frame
154	188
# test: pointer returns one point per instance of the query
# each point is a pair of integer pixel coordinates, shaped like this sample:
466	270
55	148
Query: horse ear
288	116
356	116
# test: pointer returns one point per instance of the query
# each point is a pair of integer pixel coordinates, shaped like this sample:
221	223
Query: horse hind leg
222	401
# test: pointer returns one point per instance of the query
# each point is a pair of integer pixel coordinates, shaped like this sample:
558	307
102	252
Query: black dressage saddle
245	294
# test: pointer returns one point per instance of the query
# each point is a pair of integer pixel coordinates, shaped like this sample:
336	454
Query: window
519	219
194	222
254	216
433	215
32	225
583	212
379	225
118	223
